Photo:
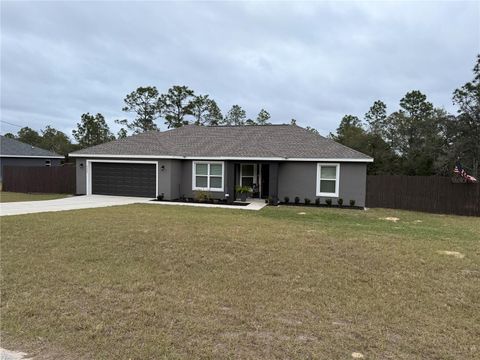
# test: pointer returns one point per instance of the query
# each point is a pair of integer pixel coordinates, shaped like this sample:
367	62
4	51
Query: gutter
73	155
32	156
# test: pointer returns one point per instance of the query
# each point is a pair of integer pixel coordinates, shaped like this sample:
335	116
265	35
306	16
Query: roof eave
34	156
364	160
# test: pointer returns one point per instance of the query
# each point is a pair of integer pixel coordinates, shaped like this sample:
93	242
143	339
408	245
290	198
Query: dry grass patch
456	254
6	196
142	281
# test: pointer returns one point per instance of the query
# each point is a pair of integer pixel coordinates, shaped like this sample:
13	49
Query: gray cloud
311	61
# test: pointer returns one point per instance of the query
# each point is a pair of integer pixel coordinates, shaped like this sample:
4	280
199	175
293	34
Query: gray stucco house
17	153
275	160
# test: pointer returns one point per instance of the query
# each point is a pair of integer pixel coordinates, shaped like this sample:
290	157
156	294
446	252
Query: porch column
273	181
230	180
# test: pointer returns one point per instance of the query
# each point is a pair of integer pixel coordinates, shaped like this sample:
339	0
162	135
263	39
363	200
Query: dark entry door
265	180
124	179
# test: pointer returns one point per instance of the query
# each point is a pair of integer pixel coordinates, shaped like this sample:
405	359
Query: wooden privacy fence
54	179
435	194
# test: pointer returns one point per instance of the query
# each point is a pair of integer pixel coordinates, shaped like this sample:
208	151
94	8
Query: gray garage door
123	179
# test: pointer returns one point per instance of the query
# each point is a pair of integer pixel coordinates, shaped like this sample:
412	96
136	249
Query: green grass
151	281
6	196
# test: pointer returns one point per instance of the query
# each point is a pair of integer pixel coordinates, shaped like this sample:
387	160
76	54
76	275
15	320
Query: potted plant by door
243	191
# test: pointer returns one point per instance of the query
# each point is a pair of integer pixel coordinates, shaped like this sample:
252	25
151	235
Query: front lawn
6	196
150	282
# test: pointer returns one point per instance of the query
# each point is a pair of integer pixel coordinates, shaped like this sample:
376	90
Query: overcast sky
310	61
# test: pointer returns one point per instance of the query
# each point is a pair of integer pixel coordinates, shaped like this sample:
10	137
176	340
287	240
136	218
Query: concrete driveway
70	203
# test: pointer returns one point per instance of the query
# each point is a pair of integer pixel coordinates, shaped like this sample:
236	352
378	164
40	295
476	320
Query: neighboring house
276	160
17	153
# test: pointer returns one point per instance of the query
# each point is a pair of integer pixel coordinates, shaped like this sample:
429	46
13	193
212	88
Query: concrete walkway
96	201
70	203
254	204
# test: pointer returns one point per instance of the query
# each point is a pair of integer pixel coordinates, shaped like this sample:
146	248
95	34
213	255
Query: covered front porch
260	177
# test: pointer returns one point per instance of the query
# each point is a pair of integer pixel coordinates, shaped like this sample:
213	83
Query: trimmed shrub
273	200
317	201
340	201
328	202
202	196
286	199
307	201
352	202
297	200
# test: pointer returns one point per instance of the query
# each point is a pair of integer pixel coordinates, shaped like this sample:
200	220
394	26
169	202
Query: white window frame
254	176
208	188
337	179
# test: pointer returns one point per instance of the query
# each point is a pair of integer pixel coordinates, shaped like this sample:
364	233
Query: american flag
461	171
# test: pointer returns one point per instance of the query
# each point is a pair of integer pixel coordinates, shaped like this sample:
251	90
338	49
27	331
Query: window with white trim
248	175
207	176
328	176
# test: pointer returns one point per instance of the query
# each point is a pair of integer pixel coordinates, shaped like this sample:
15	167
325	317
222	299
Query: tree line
48	138
179	106
416	139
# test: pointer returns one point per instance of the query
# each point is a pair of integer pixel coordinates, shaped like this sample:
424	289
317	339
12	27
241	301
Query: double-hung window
328	176
207	176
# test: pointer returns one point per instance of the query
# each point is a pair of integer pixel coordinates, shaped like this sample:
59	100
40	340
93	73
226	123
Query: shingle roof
14	148
268	141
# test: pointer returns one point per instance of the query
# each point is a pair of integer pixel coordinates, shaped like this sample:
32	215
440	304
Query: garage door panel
124	179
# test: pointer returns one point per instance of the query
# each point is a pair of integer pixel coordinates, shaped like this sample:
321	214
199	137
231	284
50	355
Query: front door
248	177
264	179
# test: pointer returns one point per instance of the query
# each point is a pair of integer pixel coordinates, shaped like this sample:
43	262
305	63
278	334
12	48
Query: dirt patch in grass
143	282
357	355
455	254
12	355
390	218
